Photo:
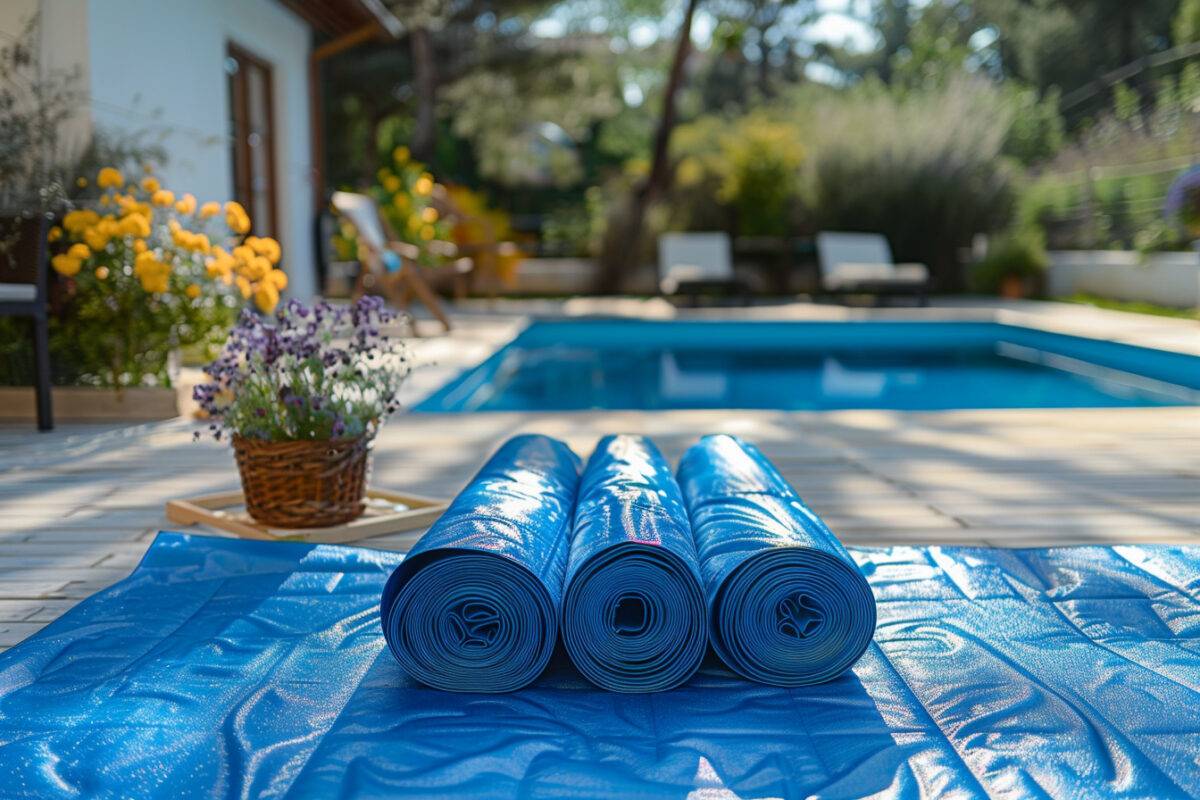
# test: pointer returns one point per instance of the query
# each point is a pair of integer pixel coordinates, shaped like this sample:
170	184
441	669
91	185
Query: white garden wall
1167	279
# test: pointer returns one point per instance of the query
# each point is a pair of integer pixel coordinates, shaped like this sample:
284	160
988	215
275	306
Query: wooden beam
346	41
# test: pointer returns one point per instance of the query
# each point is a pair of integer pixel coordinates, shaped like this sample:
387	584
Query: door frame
239	105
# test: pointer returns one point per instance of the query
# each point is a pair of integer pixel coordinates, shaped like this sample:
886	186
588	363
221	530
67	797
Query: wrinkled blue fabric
233	668
633	612
787	606
475	606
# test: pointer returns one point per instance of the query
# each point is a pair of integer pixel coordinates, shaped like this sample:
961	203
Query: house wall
62	49
1168	279
158	67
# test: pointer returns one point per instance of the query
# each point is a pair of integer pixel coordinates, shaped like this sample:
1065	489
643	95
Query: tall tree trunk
620	251
764	64
371	154
425	74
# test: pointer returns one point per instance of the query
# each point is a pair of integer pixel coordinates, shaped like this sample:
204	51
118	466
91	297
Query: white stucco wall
158	66
1168	279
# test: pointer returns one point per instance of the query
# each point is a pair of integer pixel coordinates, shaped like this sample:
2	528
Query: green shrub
742	169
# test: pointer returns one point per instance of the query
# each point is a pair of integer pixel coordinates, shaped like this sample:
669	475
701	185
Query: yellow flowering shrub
149	270
110	178
478	223
405	193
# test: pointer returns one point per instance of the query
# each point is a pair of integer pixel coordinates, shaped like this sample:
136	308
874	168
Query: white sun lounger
862	262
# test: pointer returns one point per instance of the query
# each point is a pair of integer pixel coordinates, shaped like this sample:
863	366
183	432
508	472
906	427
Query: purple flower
305	373
1183	198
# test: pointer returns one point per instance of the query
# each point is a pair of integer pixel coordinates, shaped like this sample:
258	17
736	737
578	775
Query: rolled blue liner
787	606
474	606
633	610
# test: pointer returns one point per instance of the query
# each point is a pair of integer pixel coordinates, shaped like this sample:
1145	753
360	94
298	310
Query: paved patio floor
79	505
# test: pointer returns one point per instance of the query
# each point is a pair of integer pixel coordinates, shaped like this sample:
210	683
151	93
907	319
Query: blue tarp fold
633	611
787	605
231	668
475	605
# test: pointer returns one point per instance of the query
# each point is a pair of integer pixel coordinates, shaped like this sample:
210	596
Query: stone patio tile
13	632
18	610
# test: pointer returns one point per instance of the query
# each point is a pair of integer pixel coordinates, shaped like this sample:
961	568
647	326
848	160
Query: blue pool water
619	364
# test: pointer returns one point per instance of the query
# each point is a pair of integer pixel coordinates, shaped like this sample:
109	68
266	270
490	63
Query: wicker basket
303	484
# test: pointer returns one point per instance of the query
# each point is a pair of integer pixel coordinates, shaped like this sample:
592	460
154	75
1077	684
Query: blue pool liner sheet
233	668
787	605
475	606
633	610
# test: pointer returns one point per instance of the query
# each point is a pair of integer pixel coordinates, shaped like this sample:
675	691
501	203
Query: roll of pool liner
787	606
474	606
633	608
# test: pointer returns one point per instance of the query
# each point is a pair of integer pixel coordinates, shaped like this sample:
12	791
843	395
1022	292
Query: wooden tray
227	512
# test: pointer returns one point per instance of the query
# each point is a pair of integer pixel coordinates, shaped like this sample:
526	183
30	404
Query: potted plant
1014	262
301	395
141	275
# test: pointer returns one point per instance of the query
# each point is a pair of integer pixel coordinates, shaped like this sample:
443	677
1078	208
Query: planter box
88	404
555	276
1167	279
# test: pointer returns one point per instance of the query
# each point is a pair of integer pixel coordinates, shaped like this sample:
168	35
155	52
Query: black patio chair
23	293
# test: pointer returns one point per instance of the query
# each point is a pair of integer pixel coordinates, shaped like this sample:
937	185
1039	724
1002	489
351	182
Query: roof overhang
338	18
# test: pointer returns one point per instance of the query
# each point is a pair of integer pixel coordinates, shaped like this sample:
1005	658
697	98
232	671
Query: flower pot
303	484
1013	287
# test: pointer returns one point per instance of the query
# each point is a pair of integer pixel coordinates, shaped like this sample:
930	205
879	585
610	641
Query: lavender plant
316	373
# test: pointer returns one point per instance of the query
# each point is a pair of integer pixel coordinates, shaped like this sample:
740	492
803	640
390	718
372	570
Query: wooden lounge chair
691	263
391	266
23	293
862	262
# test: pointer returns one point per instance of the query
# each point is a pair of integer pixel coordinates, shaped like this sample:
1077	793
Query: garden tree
893	20
893	24
624	234
431	90
937	46
1066	43
424	19
765	33
425	79
1045	43
525	124
379	84
1185	26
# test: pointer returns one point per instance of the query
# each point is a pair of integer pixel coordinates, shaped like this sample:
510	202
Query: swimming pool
626	364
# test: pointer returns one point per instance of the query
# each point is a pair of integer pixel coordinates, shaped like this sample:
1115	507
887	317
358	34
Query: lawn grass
1136	307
